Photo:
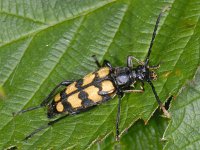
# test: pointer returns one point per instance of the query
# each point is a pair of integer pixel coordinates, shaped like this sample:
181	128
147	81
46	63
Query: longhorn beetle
100	86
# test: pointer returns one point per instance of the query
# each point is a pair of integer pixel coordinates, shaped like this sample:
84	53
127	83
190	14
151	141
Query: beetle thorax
123	76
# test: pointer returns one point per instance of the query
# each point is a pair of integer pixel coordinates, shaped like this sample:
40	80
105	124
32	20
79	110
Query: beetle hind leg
46	100
118	116
50	123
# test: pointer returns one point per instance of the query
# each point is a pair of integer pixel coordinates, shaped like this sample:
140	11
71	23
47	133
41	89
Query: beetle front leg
141	90
130	61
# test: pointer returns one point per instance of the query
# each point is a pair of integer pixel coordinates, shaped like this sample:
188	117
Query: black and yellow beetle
99	87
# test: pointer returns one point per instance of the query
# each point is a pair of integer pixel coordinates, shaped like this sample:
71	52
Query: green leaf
43	43
138	136
141	136
183	131
2	93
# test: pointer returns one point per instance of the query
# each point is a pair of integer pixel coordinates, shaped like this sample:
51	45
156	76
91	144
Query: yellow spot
88	79
107	86
74	100
71	88
92	92
57	97
103	72
59	107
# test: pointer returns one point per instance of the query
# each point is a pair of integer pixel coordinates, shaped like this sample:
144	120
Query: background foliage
43	43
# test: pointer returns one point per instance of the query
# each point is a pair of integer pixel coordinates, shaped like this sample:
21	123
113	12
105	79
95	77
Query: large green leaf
183	131
139	136
43	43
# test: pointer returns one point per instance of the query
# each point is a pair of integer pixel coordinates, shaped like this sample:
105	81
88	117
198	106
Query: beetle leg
141	90
133	91
50	123
102	93
130	61
142	86
35	131
108	64
166	113
118	116
96	61
154	67
46	100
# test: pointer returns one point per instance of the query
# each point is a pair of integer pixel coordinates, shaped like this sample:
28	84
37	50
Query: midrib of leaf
16	64
42	4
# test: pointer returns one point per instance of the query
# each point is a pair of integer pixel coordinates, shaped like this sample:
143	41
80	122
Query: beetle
100	86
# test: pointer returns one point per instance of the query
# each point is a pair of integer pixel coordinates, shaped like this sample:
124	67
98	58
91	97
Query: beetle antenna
26	110
154	35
